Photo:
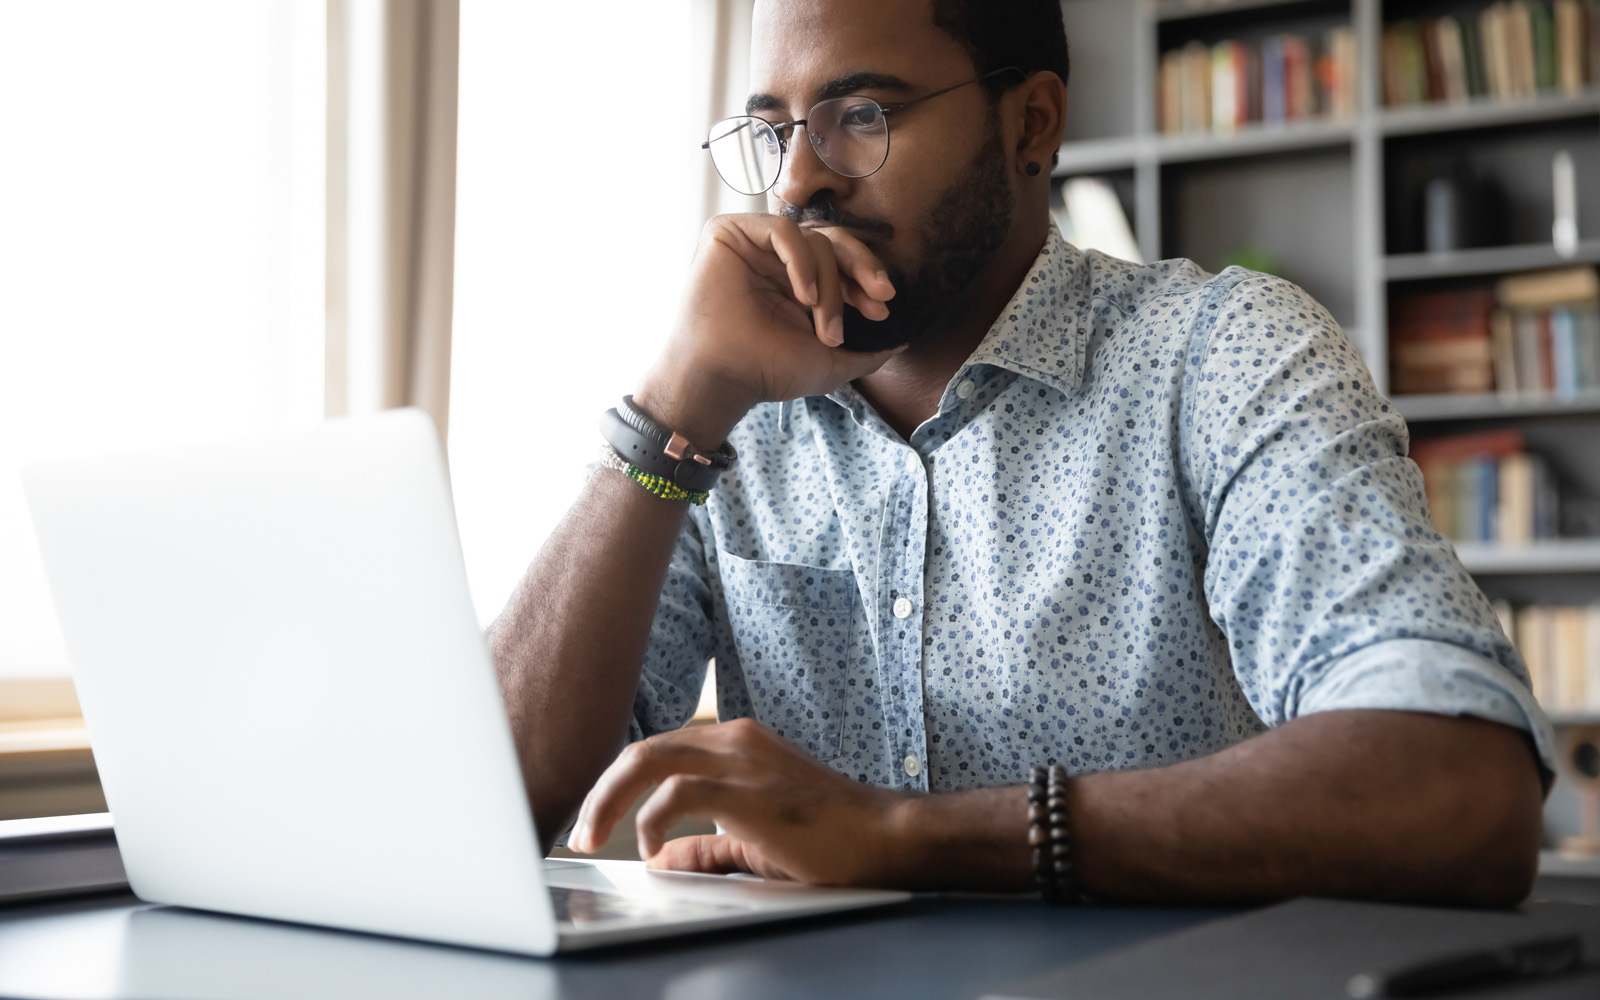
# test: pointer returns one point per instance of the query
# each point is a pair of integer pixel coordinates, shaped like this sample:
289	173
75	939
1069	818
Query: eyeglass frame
778	128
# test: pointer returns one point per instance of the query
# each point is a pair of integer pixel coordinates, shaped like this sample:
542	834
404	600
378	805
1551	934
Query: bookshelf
1356	244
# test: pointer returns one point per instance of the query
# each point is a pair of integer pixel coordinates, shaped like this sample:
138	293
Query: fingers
709	854
679	796
639	766
812	262
790	244
867	283
828	313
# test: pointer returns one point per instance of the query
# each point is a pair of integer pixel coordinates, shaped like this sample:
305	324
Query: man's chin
871	336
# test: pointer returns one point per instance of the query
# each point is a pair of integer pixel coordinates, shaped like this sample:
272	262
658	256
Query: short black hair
1027	34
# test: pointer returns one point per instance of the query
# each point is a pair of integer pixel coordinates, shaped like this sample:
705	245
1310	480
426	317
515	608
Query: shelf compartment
1213	209
1439	116
1565	555
1506	182
1487	260
1474	406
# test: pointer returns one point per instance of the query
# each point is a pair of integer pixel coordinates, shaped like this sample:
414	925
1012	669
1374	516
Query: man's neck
906	391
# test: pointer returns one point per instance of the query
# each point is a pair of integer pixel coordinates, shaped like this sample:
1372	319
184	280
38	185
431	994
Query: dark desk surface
115	946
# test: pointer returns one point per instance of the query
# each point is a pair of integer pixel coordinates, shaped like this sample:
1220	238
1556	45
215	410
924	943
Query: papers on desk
58	855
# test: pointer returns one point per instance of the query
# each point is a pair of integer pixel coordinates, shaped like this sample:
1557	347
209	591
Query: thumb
710	854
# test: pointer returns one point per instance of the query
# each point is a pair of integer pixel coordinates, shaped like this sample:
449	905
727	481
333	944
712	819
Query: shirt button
902	608
913	765
966	389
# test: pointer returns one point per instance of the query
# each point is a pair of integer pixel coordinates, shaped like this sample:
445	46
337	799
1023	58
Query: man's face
941	205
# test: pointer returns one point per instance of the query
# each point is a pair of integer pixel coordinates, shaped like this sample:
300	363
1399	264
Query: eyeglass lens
849	134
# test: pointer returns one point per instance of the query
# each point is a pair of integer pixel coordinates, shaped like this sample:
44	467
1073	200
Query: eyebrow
837	87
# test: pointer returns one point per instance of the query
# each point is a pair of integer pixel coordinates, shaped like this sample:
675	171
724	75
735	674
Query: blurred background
221	219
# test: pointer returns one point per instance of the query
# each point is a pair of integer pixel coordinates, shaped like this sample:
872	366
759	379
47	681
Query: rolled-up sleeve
1324	571
681	640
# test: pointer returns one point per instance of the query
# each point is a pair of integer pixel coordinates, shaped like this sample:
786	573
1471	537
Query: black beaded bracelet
1050	835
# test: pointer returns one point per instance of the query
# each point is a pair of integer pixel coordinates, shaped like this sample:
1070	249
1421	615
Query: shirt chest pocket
790	626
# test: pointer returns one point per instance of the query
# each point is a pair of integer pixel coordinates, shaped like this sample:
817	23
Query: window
161	237
577	169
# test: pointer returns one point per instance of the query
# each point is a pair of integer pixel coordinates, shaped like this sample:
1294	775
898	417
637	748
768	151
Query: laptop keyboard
586	906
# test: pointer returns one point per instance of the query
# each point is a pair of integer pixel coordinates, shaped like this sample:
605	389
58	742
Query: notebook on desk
1312	948
294	713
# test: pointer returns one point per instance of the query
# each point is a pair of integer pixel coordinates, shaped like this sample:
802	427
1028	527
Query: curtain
392	88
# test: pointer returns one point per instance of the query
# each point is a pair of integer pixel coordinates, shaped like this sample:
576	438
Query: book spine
1544	45
1272	111
1591	659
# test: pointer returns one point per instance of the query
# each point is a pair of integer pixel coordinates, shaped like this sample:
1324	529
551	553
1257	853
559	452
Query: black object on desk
1313	948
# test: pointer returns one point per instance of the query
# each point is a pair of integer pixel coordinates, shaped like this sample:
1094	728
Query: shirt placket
901	615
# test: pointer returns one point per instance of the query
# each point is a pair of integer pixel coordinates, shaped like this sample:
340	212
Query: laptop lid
292	708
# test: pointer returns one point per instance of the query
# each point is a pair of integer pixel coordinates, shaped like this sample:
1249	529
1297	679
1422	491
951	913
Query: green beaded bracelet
659	486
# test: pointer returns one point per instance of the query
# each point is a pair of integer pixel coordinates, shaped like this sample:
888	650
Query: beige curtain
722	44
392	88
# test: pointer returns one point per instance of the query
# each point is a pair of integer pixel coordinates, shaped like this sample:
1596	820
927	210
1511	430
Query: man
1001	504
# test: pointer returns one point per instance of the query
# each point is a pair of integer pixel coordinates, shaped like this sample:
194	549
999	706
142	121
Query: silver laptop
294	713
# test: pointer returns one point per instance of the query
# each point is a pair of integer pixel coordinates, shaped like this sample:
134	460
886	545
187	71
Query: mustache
825	211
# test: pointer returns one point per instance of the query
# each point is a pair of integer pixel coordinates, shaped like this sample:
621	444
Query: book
1472	55
1543	38
1346	72
1197	87
1519	47
1170	95
1531	644
1496	53
1224	101
1546	289
1514	522
1591	661
1441	342
1507	378
1450	57
1283	78
1272	108
1570	658
1570	39
1486	487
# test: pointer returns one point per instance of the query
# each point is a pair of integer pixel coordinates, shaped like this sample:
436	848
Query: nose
804	174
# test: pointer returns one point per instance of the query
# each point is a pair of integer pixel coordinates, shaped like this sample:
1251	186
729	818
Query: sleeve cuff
1423	675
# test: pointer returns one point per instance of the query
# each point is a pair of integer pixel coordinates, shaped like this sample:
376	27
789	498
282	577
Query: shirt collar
1042	332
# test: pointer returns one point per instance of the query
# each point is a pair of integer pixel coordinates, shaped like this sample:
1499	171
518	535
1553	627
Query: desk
958	947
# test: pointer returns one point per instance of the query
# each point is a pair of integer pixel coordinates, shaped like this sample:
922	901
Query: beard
959	242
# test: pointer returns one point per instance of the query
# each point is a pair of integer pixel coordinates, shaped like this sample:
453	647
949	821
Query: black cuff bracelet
1050	835
661	451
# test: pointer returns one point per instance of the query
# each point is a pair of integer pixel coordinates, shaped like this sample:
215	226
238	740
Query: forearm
569	645
1376	805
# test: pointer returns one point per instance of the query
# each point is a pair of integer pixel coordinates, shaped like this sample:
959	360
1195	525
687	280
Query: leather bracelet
1050	835
662	452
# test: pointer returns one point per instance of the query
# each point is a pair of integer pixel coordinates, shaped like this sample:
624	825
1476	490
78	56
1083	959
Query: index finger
639	766
859	264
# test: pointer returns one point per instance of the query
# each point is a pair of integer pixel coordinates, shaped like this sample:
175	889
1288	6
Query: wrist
975	840
703	409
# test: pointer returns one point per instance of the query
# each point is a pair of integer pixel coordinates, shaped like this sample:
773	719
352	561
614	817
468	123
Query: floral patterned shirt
1157	512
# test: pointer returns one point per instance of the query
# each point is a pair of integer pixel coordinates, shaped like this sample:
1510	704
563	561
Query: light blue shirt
1158	511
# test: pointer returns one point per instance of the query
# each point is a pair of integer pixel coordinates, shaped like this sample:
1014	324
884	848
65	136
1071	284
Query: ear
1041	109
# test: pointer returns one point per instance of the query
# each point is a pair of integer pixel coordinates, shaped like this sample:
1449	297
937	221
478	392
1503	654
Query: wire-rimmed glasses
849	134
